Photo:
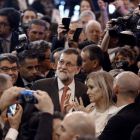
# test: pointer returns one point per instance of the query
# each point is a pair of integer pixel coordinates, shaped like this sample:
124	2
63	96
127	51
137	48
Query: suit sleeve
114	129
45	128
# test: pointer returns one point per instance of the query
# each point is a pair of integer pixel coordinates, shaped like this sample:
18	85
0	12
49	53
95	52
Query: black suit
120	126
14	42
51	87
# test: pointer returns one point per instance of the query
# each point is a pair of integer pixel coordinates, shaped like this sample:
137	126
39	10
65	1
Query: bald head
128	84
81	123
93	31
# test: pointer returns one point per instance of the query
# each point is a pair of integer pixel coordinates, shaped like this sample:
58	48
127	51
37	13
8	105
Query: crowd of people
63	88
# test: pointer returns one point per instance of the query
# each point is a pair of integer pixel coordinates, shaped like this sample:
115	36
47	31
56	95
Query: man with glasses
8	65
69	64
9	22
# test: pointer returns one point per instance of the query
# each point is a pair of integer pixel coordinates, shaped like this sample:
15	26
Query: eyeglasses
3	24
6	69
68	64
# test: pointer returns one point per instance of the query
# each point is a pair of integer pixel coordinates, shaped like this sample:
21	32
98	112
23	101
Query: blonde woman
100	92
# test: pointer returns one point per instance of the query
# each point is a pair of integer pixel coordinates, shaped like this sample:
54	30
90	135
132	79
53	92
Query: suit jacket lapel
54	93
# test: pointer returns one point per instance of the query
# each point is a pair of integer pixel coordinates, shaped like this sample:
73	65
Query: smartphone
66	23
12	109
26	96
77	34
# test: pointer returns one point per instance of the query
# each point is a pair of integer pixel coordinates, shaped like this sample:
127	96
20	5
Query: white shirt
70	90
26	83
114	111
7	43
12	134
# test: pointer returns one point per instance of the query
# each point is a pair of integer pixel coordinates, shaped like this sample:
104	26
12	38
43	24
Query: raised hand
67	104
15	120
45	103
78	106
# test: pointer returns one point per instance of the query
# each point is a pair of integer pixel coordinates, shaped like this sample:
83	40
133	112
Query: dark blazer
120	126
14	42
49	85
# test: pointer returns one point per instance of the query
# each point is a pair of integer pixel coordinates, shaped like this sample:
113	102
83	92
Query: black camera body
130	23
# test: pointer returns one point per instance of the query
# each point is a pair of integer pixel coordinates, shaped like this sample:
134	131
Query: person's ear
53	66
116	89
131	62
78	69
95	63
19	68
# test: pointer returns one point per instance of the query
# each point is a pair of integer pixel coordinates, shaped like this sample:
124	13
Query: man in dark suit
121	125
9	22
69	64
28	67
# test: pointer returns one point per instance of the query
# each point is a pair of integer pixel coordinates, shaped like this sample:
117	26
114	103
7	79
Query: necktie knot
65	89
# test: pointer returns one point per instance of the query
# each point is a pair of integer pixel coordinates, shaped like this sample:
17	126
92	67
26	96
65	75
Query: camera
129	23
23	43
27	96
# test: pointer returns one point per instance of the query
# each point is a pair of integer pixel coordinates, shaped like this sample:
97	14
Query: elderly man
93	31
75	125
121	125
69	64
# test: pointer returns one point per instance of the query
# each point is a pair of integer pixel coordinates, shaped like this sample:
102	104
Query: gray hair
88	13
4	81
9	57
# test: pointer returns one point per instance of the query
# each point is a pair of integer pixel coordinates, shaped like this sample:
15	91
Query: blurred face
9	68
126	4
84	20
93	32
29	69
73	27
46	63
64	132
56	55
87	65
28	16
120	57
5	29
56	125
139	68
85	6
67	67
95	94
36	32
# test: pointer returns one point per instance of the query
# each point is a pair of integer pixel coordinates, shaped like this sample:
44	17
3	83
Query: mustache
63	70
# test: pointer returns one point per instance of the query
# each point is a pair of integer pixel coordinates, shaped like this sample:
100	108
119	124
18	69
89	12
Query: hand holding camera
45	104
14	120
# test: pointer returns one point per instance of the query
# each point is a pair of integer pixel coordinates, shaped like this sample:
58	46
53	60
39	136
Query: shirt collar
8	38
61	85
25	82
115	110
